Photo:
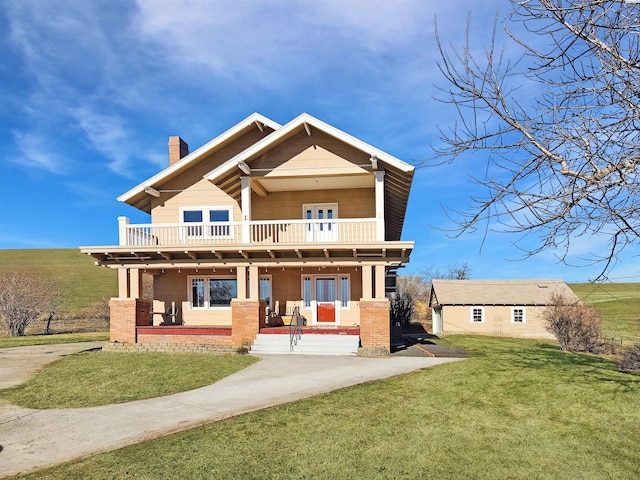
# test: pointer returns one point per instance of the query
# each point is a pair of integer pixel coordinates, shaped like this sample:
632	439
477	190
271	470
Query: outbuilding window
518	315
477	314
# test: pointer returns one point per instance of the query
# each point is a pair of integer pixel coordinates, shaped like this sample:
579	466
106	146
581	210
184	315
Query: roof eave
221	139
299	123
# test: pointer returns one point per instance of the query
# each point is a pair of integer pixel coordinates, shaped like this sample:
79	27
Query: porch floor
316	330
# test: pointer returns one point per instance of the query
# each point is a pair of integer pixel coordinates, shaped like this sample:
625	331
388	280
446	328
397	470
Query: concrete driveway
31	439
19	363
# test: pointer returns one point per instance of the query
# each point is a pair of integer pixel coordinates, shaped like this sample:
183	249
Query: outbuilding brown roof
497	292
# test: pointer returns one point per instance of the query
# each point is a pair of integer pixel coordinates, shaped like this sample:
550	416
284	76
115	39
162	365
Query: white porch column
135	283
380	281
122	229
241	275
123	283
254	283
245	200
380	230
367	284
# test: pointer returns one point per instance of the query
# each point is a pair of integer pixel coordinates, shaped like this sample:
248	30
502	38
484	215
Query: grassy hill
619	304
81	282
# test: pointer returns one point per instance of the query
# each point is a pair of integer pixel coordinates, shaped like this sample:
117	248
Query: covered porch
228	297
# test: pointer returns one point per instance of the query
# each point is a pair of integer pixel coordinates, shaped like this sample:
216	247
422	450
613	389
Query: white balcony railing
351	230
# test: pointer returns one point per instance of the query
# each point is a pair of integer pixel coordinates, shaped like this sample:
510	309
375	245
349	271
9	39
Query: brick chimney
178	149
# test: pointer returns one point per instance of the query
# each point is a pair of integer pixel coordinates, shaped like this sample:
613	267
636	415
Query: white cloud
36	151
107	135
278	43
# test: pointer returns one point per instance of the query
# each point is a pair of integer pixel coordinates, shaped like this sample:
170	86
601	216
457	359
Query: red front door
326	313
326	299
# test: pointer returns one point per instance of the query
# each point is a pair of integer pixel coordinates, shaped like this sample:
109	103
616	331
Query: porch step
309	344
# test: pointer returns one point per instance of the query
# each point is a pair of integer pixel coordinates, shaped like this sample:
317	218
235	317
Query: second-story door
323	228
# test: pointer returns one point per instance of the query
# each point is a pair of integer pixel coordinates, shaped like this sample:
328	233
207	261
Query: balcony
267	232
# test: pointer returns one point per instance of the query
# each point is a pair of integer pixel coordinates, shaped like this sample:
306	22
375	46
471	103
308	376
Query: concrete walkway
32	439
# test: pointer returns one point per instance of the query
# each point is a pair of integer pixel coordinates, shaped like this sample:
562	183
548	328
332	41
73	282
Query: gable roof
304	121
398	174
497	292
137	197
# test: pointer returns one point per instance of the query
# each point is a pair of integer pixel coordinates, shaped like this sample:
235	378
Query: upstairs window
207	222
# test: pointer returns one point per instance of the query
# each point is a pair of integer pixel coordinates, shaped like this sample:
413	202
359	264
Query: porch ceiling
389	253
396	194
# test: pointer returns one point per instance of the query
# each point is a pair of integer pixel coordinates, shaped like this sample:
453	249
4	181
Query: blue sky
91	90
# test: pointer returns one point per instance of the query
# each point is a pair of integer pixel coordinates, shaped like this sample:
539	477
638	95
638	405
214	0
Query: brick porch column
247	318
125	314
375	330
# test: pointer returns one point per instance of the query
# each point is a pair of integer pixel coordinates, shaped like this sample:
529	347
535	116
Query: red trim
314	330
183	330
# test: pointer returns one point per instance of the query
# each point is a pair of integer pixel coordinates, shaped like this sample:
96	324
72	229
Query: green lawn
89	379
516	409
6	341
81	282
619	304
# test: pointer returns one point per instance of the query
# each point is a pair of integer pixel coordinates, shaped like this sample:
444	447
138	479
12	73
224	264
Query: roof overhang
307	123
398	174
138	196
392	254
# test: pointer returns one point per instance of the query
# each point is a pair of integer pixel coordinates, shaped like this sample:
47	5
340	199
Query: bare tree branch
24	297
561	163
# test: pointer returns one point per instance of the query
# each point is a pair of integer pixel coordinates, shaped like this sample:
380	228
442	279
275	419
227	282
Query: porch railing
262	232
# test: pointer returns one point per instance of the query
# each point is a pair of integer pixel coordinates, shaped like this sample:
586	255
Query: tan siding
301	142
351	316
191	183
287	286
355	203
201	194
216	317
173	287
169	287
457	320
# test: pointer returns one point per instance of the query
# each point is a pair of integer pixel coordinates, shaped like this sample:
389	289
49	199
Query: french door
324	229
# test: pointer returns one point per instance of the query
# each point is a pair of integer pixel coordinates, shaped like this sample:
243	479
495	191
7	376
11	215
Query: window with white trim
477	314
212	292
306	292
345	291
518	315
208	222
265	289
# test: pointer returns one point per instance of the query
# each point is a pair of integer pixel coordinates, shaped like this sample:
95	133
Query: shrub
630	360
244	349
402	308
576	327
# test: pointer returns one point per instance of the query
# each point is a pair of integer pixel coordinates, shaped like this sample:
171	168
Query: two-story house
263	218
